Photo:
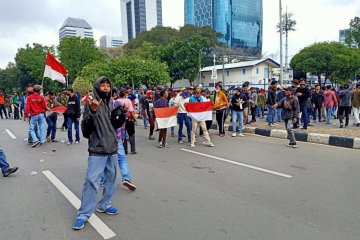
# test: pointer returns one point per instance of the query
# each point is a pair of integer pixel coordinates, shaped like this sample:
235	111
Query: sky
24	21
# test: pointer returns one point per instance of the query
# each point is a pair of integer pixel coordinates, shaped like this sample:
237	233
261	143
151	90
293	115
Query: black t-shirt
236	99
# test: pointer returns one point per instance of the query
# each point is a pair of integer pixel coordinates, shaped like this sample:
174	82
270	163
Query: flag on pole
54	69
199	111
166	117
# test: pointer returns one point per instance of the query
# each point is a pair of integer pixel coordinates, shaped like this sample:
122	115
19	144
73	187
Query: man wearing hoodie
356	104
344	105
291	109
330	101
103	159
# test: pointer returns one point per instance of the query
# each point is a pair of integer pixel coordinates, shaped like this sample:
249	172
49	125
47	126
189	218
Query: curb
337	141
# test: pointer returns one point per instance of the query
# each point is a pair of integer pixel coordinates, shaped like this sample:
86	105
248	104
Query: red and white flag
166	117
54	69
199	111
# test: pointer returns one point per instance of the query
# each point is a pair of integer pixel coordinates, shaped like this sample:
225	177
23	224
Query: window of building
227	73
244	71
257	71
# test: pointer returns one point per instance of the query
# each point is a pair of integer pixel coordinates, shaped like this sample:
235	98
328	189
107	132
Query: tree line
159	56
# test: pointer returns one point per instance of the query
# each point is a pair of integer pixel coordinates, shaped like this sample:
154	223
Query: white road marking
99	226
240	164
10	133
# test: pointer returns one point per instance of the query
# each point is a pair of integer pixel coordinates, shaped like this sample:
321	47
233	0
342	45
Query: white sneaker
241	135
210	144
181	142
192	145
233	134
77	142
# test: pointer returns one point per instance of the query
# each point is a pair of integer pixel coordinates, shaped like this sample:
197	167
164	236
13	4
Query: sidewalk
329	134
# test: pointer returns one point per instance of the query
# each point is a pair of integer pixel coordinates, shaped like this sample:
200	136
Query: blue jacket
195	99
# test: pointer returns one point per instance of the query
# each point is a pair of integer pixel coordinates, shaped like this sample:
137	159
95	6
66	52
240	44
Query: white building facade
76	27
138	16
257	73
110	41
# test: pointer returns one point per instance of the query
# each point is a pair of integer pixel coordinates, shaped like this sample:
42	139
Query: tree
353	36
81	85
319	59
288	25
10	78
131	70
75	53
31	63
94	70
346	65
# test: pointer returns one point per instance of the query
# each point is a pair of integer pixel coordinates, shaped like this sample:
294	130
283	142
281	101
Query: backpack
118	117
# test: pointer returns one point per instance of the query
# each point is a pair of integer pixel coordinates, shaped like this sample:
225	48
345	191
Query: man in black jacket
73	114
317	101
303	94
102	148
271	100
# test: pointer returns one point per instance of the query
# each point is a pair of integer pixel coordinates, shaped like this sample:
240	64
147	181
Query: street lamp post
281	44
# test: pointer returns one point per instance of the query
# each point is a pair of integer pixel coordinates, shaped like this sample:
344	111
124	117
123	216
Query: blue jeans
98	166
51	121
278	114
3	163
260	111
182	117
235	116
37	120
271	114
304	114
146	122
123	163
36	130
69	124
328	114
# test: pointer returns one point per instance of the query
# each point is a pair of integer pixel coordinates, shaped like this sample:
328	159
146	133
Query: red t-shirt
35	104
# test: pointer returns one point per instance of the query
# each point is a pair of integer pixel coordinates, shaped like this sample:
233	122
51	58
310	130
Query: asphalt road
307	193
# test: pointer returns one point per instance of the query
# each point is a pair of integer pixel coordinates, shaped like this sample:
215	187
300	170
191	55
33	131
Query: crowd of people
110	116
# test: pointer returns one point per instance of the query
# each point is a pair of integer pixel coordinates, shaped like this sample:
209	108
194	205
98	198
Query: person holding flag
165	117
199	110
51	117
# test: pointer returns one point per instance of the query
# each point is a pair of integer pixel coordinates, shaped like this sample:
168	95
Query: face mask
104	95
302	85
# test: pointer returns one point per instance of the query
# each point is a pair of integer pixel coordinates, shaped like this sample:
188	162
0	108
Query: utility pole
286	40
281	44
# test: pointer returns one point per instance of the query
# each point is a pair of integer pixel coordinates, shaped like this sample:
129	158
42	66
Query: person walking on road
4	165
51	117
356	105
303	94
238	101
220	105
103	159
196	98
162	102
330	102
271	100
73	113
344	105
291	109
35	110
148	107
181	99
2	106
317	100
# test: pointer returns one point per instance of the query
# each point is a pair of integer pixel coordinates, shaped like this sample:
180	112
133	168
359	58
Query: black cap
287	89
274	82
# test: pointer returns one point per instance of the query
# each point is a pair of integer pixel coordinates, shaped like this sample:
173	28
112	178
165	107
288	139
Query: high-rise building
110	41
138	16
342	37
76	27
240	21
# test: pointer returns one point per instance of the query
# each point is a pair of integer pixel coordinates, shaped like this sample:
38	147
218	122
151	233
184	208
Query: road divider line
97	224
10	133
239	164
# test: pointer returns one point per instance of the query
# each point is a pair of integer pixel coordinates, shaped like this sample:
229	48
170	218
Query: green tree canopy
10	78
94	70
31	63
353	36
133	70
319	59
81	85
75	53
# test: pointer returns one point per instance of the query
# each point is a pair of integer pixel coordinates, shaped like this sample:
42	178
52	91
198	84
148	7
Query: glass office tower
240	21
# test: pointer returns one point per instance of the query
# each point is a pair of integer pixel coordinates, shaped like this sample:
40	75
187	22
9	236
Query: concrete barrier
318	138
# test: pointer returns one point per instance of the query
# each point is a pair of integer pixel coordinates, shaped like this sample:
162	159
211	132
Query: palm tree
288	26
